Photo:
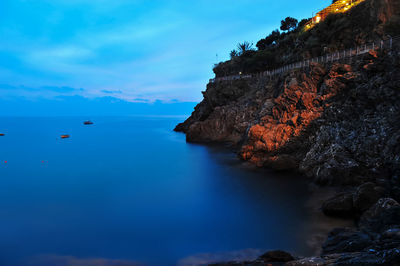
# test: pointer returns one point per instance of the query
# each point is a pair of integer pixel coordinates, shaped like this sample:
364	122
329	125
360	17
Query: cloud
69	53
111	91
59	89
161	49
68	105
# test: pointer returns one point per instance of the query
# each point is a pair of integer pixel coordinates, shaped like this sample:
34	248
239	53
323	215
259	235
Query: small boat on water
88	122
2	134
64	136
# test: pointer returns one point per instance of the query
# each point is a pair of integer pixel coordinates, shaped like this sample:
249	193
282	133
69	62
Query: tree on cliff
269	40
233	54
244	48
288	24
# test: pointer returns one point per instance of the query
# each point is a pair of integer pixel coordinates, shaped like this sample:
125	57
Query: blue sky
134	50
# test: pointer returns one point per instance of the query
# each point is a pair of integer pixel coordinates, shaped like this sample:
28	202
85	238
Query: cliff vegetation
369	21
338	124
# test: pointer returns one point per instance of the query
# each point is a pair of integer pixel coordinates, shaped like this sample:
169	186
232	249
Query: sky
133	50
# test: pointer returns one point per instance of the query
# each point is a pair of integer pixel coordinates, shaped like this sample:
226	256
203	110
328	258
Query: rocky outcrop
375	242
341	205
337	124
352	202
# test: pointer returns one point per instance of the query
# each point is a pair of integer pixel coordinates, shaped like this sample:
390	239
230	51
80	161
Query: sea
131	191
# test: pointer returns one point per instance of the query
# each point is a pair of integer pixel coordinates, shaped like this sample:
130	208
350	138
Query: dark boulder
343	240
366	195
276	256
341	205
384	215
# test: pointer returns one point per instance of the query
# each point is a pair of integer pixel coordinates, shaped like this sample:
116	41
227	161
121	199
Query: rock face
353	202
376	242
341	205
338	124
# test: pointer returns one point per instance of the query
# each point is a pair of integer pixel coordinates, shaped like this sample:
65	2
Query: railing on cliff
390	44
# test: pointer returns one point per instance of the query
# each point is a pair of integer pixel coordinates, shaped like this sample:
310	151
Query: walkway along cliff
337	123
334	119
329	117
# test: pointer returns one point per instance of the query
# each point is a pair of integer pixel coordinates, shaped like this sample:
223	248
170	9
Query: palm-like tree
244	47
233	54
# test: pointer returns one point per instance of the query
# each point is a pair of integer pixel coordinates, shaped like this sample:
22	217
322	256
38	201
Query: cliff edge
337	123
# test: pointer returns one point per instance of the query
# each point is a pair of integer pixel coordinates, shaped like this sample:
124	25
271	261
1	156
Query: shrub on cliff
269	41
289	24
370	20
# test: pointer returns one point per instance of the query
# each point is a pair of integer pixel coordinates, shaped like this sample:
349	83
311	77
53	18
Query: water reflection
129	190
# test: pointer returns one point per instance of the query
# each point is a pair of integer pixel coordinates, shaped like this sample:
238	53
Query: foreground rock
375	242
352	202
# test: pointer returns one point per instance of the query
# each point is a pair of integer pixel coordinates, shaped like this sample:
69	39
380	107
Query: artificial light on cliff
337	7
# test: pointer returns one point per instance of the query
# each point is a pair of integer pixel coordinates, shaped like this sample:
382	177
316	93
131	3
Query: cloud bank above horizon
135	50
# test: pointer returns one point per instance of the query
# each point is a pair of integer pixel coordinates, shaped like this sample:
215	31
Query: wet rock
382	216
392	233
362	258
282	162
369	258
343	240
367	195
276	256
341	205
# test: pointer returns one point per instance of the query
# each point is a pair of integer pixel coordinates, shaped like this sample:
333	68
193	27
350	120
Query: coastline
335	124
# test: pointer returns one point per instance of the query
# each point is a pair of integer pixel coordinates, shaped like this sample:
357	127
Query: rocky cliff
338	124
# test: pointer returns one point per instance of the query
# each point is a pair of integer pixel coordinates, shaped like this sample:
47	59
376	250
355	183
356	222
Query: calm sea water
129	191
